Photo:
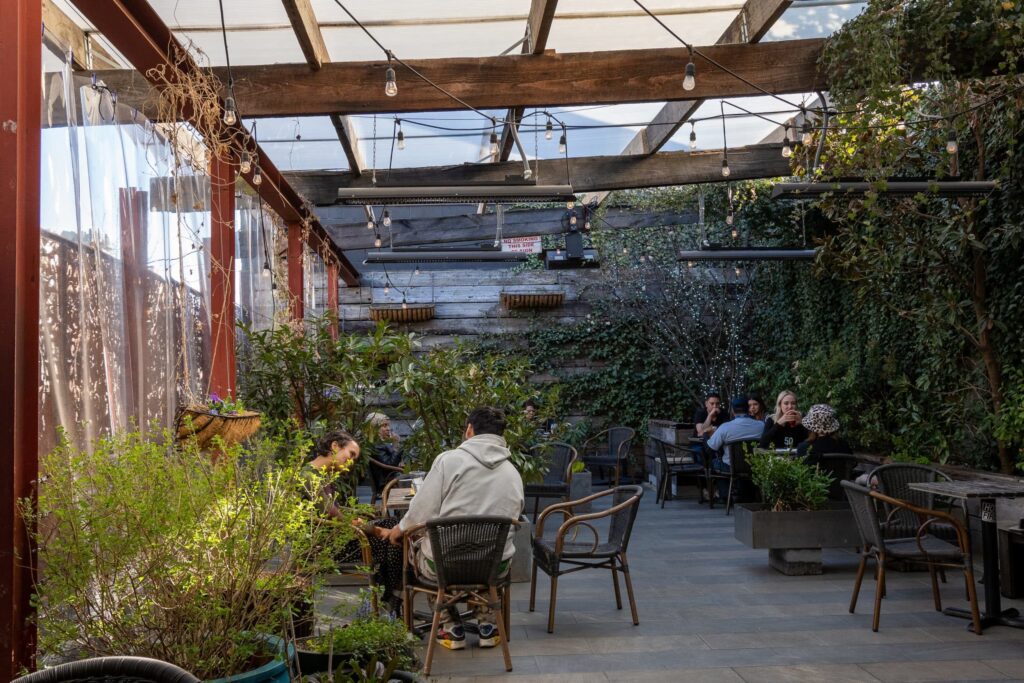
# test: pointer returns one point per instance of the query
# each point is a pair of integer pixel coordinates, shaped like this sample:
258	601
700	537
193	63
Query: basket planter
516	300
412	313
794	539
204	425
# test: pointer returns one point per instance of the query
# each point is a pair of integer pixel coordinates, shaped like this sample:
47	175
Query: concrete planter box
794	539
522	561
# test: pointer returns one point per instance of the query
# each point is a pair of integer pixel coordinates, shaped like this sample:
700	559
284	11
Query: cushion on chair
934	548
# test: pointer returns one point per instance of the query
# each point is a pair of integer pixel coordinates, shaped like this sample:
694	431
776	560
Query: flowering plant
224	406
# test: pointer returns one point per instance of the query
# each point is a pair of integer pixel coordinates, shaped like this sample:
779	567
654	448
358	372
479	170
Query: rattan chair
381	475
558	476
894	481
385	494
609	449
921	547
111	670
739	469
467	558
550	554
678	460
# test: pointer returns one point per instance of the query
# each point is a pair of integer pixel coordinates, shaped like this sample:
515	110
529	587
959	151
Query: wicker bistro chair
467	556
894	481
922	547
609	448
558	477
111	670
381	475
550	554
739	469
677	460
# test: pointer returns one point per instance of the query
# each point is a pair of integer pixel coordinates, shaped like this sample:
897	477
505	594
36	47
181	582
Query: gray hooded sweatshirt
476	478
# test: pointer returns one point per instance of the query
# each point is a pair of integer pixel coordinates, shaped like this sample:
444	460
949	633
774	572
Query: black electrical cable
227	56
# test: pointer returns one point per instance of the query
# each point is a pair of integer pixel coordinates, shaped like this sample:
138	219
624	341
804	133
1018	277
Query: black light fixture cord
227	56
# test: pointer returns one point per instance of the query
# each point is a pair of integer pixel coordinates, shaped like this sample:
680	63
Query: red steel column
332	296
20	72
222	276
296	289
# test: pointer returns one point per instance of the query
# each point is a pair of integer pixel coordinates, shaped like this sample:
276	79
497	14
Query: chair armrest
378	463
582	519
410	534
566	507
929	517
587	444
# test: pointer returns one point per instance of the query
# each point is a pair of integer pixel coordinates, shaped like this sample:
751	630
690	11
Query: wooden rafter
585	173
749	26
549	79
85	53
538	27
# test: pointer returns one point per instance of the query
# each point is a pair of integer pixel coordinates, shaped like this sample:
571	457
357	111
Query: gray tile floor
712	610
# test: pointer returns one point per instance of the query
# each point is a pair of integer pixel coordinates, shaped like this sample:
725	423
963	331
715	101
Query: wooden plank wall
468	302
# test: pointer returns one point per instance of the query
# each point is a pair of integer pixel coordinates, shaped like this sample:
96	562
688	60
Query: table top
971	489
776	451
399	499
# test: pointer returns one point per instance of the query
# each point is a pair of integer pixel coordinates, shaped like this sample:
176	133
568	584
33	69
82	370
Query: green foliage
369	637
443	386
152	550
788	483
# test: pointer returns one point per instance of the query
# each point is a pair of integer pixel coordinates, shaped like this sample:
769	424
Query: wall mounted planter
532	300
412	313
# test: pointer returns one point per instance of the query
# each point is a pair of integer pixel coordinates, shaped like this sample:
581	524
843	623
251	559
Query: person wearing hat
741	428
822	434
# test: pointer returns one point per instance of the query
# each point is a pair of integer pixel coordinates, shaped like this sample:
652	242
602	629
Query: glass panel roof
811	20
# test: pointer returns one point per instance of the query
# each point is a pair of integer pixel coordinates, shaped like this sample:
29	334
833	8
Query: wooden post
332	296
20	69
222	276
296	288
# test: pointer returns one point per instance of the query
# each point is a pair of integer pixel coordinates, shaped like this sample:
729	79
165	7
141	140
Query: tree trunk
993	364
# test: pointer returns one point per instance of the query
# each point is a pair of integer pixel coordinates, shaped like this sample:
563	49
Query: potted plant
148	548
796	519
367	638
226	418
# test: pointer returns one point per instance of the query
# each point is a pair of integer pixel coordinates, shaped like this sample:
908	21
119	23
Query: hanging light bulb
561	144
548	130
725	168
266	269
390	86
737	270
245	163
690	79
735	233
417	271
387	289
951	144
386	220
807	137
572	219
787	151
729	219
401	139
404	304
558	251
693	137
527	173
571	204
586	226
230	115
689	264
625	250
494	143
257	177
376	241
369	225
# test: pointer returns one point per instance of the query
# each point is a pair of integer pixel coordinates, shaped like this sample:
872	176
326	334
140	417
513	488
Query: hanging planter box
526	300
413	313
205	425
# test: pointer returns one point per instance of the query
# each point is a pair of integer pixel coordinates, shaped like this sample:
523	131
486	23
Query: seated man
476	478
741	428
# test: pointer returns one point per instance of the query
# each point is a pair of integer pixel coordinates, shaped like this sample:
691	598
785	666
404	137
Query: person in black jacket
822	427
385	451
783	429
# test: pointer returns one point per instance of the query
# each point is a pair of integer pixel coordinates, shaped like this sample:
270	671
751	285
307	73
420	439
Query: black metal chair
550	554
921	547
111	670
558	477
678	460
739	469
466	553
609	449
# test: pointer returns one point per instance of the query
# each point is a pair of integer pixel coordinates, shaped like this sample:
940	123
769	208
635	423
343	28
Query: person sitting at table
783	429
822	428
386	451
741	428
476	478
710	417
756	408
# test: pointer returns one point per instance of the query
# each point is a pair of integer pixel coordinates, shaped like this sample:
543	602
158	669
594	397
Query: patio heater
895	187
417	255
716	253
456	194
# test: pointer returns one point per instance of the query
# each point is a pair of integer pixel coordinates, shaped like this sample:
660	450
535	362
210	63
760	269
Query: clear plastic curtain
256	234
124	310
314	284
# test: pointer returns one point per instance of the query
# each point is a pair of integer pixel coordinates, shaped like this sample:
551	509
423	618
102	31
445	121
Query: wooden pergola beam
349	142
585	173
307	32
85	53
538	27
549	79
481	228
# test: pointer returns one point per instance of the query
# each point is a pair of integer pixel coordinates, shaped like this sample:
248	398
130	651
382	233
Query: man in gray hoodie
476	478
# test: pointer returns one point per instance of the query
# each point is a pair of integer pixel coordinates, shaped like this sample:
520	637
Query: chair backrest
841	467
894	481
467	550
619	441
112	670
561	457
865	514
738	452
620	526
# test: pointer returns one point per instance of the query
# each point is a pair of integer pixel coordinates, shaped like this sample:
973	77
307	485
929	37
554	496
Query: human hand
393	535
793	417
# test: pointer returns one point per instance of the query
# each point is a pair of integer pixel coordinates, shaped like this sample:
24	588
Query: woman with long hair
783	429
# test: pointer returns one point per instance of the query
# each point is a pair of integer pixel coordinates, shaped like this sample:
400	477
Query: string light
807	137
729	220
257	177
690	79
561	144
417	271
230	115
404	304
787	150
400	138
386	220
689	264
572	219
390	85
369	225
737	270
494	143
951	144
725	167
376	241
571	204
693	136
245	163
387	289
901	126
266	269
548	130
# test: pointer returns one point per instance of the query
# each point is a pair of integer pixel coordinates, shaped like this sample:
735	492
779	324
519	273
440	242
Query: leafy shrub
787	483
368	637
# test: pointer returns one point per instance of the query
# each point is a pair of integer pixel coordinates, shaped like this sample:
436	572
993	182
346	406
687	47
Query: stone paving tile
915	672
678	676
806	673
1008	667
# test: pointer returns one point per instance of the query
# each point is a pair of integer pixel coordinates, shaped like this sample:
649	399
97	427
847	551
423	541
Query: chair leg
728	497
533	586
663	489
856	582
407	597
711	491
506	609
629	588
615	582
502	631
879	590
972	596
551	604
935	587
433	634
